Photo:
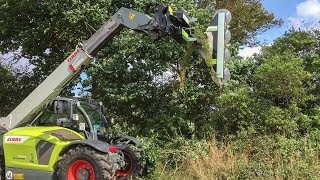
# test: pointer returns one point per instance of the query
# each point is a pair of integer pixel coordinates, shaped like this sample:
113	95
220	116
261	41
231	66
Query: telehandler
52	137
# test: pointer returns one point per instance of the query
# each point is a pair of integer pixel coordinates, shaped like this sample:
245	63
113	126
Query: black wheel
85	163
134	163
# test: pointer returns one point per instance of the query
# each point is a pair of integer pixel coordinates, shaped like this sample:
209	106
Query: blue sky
283	9
295	13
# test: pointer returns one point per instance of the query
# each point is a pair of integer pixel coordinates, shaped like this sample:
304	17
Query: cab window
92	113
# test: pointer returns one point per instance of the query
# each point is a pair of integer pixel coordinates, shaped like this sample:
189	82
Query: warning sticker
18	176
82	126
131	16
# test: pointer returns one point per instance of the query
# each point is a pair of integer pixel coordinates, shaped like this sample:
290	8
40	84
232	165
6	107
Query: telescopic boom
167	22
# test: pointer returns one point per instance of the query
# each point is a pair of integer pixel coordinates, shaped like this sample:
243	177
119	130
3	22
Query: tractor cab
85	117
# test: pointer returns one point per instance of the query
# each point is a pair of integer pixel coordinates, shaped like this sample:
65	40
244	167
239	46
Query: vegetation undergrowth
263	157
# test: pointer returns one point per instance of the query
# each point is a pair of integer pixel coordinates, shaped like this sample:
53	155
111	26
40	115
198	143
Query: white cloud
308	15
249	51
296	23
309	8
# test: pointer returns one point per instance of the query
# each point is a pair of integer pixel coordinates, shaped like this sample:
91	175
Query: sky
294	13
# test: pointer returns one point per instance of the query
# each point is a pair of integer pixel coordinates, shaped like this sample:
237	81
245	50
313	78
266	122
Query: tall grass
258	158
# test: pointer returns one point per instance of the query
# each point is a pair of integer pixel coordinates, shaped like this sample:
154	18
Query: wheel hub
83	174
127	169
81	170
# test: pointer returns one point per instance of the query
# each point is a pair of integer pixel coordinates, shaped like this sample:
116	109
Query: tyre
134	163
85	163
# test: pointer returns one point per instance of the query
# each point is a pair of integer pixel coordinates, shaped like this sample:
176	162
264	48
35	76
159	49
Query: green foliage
282	80
278	157
47	31
235	110
255	157
242	70
13	86
299	42
137	89
5	90
272	93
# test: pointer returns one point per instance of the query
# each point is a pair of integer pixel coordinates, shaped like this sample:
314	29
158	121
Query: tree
304	44
146	62
282	80
275	92
46	31
249	19
14	85
129	71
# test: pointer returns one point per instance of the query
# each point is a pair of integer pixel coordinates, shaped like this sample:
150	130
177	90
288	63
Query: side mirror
58	107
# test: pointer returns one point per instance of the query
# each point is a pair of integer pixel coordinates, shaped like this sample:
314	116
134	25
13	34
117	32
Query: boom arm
167	22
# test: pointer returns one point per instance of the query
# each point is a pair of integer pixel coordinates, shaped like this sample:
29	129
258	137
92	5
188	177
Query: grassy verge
262	157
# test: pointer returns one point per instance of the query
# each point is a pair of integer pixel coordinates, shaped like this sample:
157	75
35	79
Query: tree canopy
47	31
